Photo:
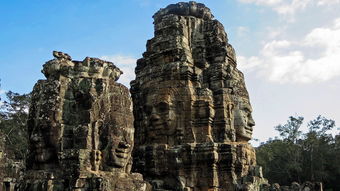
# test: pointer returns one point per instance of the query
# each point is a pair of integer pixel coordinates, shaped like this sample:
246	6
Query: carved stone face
121	154
42	144
243	120
120	151
160	117
44	131
116	147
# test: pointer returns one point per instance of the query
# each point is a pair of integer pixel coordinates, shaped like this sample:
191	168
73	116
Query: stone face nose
123	145
154	118
251	122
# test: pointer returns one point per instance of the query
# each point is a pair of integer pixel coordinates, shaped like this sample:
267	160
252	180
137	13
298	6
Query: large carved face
43	144
43	130
119	148
160	117
243	120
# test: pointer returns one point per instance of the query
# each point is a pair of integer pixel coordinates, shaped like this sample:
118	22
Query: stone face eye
163	107
247	110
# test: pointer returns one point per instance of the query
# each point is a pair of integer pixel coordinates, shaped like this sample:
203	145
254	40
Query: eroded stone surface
191	106
81	129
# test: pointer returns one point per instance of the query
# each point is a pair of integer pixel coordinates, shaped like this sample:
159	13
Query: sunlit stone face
116	147
243	120
120	154
160	117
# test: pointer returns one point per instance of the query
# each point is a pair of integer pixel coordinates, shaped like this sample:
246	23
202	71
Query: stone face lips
191	106
81	129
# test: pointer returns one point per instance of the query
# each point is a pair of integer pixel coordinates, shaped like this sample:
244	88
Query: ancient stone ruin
187	130
192	111
80	129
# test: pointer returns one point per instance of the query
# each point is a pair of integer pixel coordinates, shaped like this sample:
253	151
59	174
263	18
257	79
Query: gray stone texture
80	129
191	106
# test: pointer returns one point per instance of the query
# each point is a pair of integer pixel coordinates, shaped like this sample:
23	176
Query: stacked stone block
192	111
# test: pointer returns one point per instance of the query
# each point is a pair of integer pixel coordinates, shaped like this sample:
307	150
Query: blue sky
289	50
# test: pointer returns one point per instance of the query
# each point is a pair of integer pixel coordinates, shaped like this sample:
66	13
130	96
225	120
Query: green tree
335	167
291	130
318	149
280	160
13	116
312	156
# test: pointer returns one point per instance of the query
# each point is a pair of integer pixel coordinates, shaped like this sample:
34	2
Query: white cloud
327	2
274	32
288	8
248	64
242	31
125	63
287	61
291	8
262	2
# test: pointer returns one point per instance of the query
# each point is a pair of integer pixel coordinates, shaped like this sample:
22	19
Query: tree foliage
13	116
291	130
294	156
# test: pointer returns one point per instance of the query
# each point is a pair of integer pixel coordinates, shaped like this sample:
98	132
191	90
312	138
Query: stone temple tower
80	128
192	111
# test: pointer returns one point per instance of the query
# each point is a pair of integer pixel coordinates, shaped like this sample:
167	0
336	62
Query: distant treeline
296	156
